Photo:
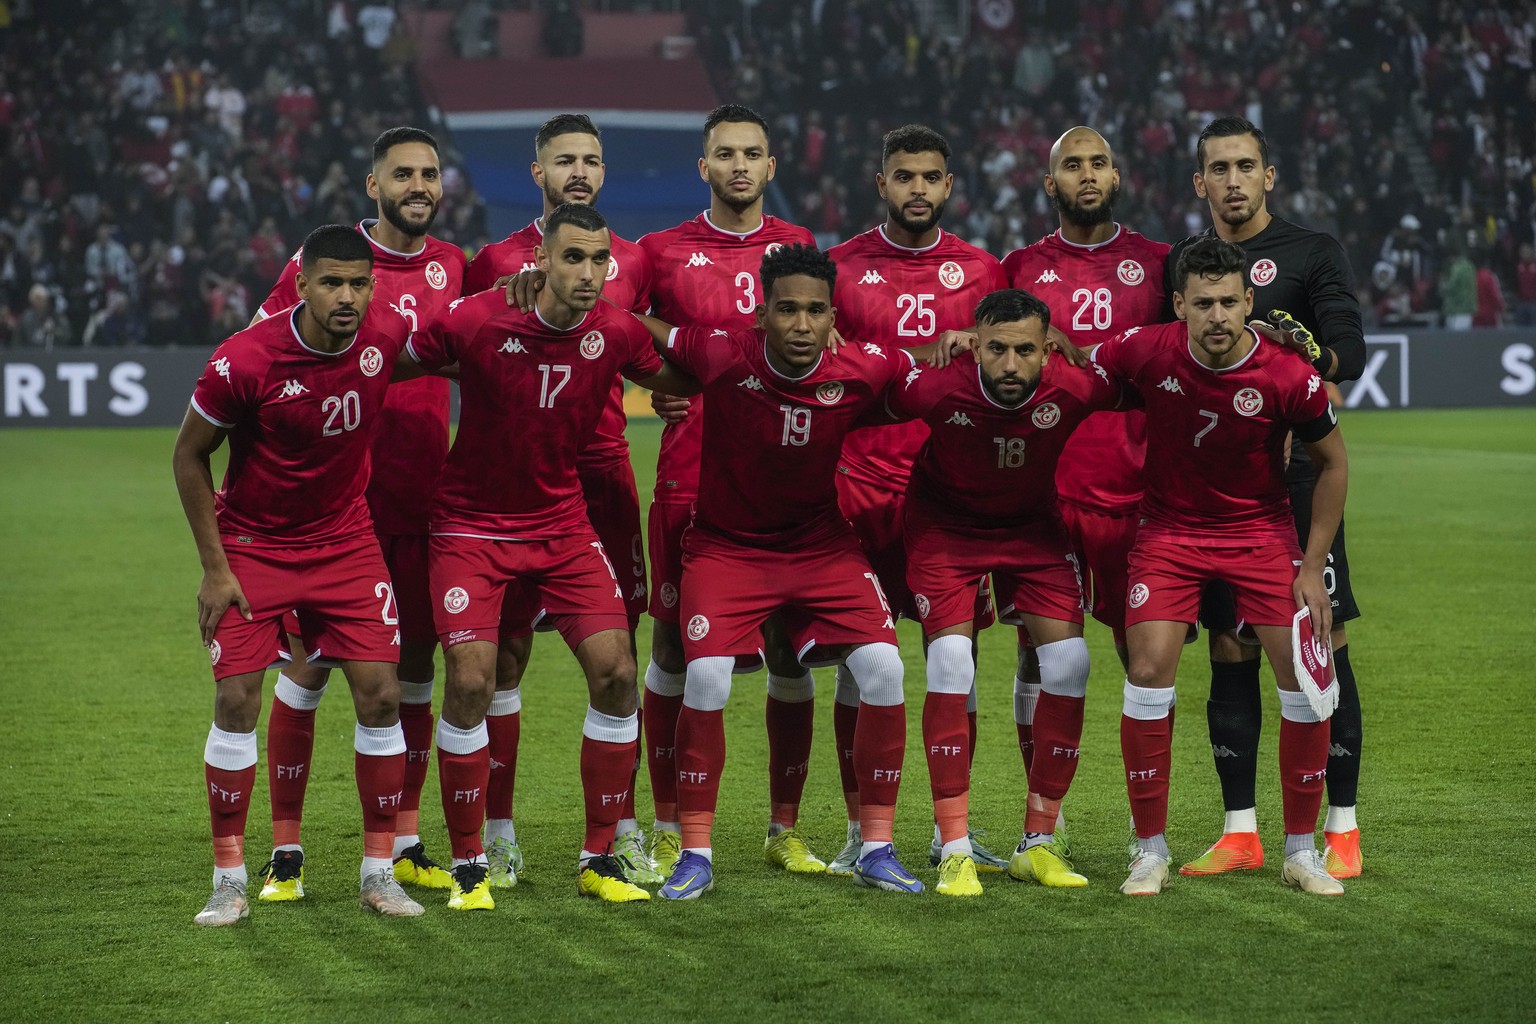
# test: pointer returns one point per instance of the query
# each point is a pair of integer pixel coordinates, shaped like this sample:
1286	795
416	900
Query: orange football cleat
1342	854
1234	851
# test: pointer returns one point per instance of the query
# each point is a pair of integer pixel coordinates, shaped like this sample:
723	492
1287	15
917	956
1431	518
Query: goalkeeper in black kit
1302	279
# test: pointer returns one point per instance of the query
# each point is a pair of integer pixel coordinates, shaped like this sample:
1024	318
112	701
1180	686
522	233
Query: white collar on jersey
901	248
1258	339
734	234
785	377
563	330
1119	230
293	325
994	402
538	225
364	225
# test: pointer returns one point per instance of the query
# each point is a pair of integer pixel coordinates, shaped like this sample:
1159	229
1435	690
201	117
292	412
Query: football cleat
629	851
1149	873
879	869
284	877
414	867
957	876
381	894
985	859
504	860
1342	853
471	890
1234	851
1045	865
1305	870
693	877
788	850
664	848
603	878
226	906
1061	841
842	864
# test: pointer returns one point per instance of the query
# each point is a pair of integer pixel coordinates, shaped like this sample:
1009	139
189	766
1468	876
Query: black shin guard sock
1344	736
1235	715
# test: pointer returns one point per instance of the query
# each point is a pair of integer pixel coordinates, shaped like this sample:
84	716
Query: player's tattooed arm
197	440
1332	463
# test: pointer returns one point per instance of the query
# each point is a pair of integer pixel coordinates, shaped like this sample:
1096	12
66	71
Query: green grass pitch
104	855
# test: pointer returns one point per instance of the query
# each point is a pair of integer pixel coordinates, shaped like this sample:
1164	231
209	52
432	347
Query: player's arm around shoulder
649	365
437	347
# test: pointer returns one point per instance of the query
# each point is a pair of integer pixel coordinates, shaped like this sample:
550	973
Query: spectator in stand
43	325
1525	278
1458	291
117	325
1490	295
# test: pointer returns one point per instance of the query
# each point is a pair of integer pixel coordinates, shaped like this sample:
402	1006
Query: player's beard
738	202
910	224
394	212
556	197
994	388
1084	217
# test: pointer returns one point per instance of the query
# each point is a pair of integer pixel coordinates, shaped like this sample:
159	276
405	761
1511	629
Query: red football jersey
702	276
530	397
986	466
412	439
887	294
1094	292
768	473
628	286
1216	439
300	422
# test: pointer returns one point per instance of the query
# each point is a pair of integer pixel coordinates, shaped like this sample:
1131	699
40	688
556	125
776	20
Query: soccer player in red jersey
705	273
509	510
905	281
417	276
982	499
299	397
1221	403
568	169
779	409
1099	278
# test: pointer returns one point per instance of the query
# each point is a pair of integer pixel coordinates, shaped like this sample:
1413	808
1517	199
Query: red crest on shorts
1263	272
1139	594
456	600
698	628
214	652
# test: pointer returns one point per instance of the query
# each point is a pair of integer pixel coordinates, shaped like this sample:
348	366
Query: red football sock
700	761
1303	773
789	755
606	770
1147	747
661	713
1058	735
947	744
380	778
879	744
464	779
290	749
845	722
229	801
503	732
417	722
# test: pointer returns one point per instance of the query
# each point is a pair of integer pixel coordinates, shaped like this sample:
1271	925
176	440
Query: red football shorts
405	554
664	532
574	582
827	594
1103	543
613	507
1032	567
875	513
1166	577
340	592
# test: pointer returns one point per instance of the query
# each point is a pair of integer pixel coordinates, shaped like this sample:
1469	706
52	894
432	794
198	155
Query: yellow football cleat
957	876
1044	865
664	848
603	878
1342	853
284	877
471	890
414	867
788	850
1234	851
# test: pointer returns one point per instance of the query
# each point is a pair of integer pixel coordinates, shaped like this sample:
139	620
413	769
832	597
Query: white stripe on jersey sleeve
204	414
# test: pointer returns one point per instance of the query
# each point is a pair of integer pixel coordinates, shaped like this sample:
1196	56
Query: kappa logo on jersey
668	595
215	652
1313	383
515	346
221	367
1130	272
960	419
527	266
1046	416
1171	385
456	600
698	628
613	268
719	333
830	392
698	259
437	277
455	304
292	389
1103	373
1263	272
371	361
1248	402
922	605
872	349
871	277
951	275
1139	594
912	375
751	383
592	344
1048	276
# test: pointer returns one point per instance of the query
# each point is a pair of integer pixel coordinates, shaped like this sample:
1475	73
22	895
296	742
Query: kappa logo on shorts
951	275
371	361
698	628
1046	416
830	392
1130	272
922	605
1139	594
215	652
1248	402
592	344
456	600
1263	272
613	268
668	595
437	277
